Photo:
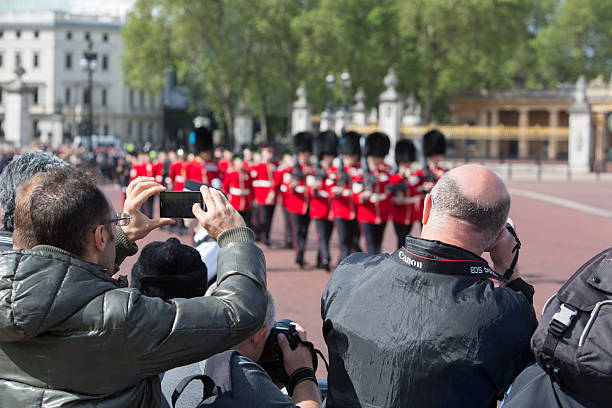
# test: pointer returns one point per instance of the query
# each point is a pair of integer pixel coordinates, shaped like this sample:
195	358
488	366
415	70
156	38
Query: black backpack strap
558	324
208	387
219	369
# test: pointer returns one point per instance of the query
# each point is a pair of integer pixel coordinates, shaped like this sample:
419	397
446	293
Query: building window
104	97
35	60
1	33
139	130
0	94
106	129
129	128
152	100
17	59
67	96
131	98
85	96
68	60
105	37
142	98
105	63
36	33
87	36
35	129
1	59
69	35
35	96
18	33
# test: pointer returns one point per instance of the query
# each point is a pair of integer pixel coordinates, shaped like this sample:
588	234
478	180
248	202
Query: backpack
216	383
573	342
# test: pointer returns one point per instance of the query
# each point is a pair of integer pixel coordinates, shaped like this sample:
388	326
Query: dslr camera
272	357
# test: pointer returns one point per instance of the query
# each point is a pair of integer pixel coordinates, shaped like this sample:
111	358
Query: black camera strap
510	271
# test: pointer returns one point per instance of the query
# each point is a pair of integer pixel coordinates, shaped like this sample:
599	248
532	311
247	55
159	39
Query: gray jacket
69	336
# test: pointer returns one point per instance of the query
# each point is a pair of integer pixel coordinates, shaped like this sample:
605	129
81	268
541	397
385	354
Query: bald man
433	325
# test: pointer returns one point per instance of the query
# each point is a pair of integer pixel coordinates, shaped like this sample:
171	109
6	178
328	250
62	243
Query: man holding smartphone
427	324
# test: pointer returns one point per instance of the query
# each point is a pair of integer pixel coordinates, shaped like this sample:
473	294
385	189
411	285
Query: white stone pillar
580	144
343	119
328	120
553	124
301	111
360	112
390	111
523	143
18	123
243	126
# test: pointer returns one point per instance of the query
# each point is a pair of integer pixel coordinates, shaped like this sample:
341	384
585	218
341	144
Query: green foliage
259	50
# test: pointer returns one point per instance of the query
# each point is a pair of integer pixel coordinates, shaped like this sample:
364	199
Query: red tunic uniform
420	175
281	183
374	209
204	172
178	175
343	202
239	188
320	197
403	198
224	165
297	196
263	175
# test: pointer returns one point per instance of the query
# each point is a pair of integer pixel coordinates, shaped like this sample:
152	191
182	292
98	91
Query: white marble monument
18	123
390	111
580	147
243	126
300	113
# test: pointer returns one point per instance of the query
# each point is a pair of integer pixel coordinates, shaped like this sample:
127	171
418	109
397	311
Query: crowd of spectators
430	325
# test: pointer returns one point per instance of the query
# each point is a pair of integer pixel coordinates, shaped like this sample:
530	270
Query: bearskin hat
170	270
350	144
302	142
405	151
203	139
326	143
434	142
377	144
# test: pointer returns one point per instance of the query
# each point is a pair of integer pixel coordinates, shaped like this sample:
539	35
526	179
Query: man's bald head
473	194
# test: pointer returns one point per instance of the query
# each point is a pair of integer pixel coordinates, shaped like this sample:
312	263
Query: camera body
271	359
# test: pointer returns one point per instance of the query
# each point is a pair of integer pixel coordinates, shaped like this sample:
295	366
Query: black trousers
288	228
263	220
324	230
373	235
348	237
401	230
300	228
246	215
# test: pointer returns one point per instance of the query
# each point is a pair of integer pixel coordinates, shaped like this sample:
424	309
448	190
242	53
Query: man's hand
219	216
139	191
501	252
298	358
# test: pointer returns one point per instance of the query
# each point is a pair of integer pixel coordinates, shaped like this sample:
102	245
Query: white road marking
574	205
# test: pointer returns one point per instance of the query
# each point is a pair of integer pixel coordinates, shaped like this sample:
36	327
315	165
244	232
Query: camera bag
216	383
573	342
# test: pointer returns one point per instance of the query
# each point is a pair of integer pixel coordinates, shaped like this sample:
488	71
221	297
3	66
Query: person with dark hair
265	192
426	326
203	168
71	335
18	171
403	190
281	184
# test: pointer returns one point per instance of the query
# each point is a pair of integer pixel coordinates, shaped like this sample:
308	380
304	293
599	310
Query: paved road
556	238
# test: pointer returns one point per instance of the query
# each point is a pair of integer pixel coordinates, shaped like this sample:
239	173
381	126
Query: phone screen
178	204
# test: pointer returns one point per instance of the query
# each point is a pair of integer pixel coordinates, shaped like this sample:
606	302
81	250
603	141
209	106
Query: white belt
179	179
300	189
378	197
262	183
239	191
324	194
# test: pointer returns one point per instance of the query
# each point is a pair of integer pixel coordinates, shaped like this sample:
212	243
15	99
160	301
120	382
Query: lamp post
330	81
88	63
345	77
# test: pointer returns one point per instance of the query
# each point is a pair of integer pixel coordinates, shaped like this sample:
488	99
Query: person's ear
100	239
426	208
260	336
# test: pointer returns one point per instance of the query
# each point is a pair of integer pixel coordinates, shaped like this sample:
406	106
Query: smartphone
178	204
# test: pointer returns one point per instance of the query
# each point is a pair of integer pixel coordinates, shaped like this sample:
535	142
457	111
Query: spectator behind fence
69	335
17	172
425	326
251	386
169	270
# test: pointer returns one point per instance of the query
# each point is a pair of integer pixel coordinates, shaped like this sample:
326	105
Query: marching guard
237	184
203	168
265	193
404	190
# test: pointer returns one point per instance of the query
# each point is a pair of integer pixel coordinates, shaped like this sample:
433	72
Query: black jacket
6	240
533	389
424	327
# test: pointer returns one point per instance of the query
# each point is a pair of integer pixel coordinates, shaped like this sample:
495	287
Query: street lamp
88	63
345	77
330	81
